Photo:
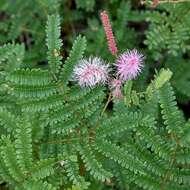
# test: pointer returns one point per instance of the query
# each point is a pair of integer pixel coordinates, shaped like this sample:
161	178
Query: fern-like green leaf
172	116
43	168
34	185
9	156
92	165
75	55
23	145
33	77
45	104
83	103
54	43
34	91
7	119
123	122
4	173
72	169
119	155
10	49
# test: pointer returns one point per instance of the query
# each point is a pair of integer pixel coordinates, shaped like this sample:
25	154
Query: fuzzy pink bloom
129	65
92	71
108	31
116	88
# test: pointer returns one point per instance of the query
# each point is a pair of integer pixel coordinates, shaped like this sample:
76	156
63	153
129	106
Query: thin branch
156	2
106	105
173	1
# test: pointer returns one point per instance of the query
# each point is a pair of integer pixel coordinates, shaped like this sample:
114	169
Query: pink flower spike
117	93
115	83
108	31
116	89
129	65
92	71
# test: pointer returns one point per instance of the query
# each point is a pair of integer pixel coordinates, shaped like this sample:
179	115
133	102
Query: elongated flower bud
155	3
116	88
108	31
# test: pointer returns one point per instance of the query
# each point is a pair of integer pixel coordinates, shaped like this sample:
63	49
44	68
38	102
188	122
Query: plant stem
106	105
166	1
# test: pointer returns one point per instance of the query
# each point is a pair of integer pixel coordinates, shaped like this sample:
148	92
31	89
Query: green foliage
56	135
169	30
72	169
92	164
172	116
87	5
75	55
7	119
180	79
17	159
161	78
23	144
151	156
24	21
33	77
11	56
54	43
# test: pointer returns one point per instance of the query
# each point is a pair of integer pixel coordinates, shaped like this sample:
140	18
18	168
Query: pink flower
129	65
92	71
109	34
116	88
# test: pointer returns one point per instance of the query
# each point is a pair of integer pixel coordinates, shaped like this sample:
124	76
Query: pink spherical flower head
129	65
92	71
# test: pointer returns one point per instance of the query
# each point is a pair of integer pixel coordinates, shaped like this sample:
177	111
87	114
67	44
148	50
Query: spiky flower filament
129	65
92	71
